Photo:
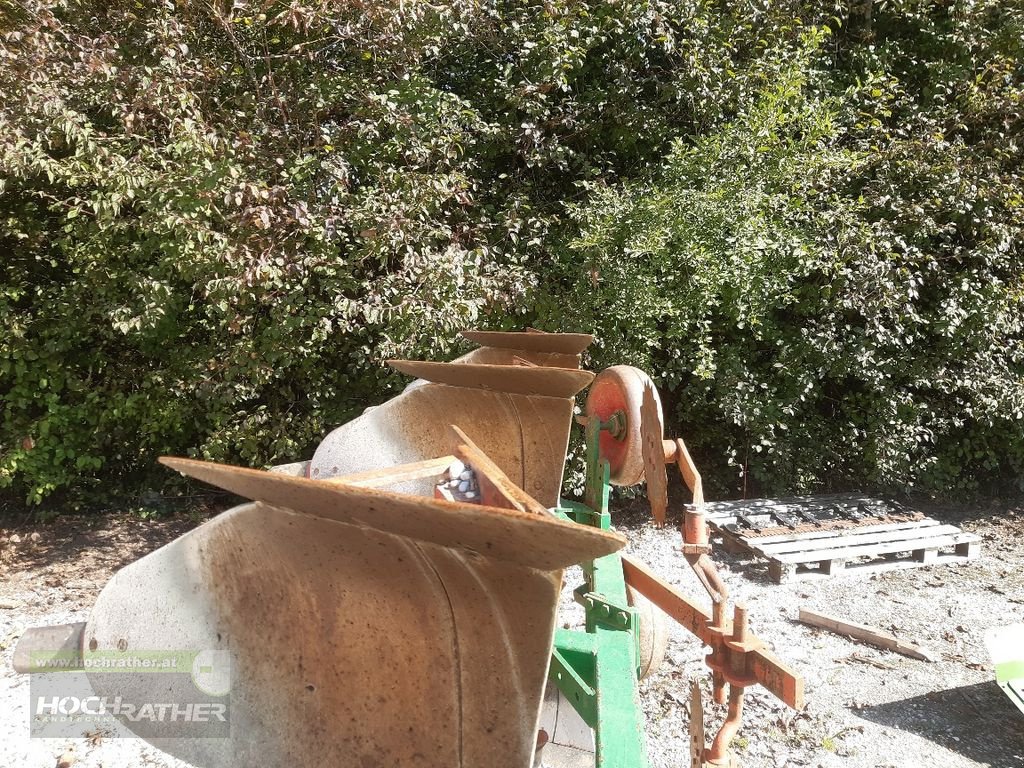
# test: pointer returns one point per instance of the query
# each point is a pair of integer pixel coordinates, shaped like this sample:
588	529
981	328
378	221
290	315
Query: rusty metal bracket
764	667
737	659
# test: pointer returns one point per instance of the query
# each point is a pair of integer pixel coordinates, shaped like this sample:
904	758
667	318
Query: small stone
35	537
453	483
466	475
470	494
464	486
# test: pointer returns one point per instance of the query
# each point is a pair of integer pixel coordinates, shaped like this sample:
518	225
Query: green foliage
213	240
830	281
220	218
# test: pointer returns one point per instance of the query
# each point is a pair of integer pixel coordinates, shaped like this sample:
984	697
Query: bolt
739	627
616	425
718	613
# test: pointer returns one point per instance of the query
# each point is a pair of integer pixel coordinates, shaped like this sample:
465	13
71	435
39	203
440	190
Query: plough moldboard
393	601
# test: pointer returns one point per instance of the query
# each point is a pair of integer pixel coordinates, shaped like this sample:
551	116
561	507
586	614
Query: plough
394	600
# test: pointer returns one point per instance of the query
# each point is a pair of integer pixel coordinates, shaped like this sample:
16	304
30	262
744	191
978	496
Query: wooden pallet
863	549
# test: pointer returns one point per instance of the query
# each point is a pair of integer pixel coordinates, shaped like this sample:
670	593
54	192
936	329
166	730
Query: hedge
804	220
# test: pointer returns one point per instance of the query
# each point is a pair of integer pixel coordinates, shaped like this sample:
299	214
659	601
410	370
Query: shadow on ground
74	545
976	721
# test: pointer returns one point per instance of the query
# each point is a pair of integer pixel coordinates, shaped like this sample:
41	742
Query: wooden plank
768	670
735	545
766	505
713	515
832	567
785	574
535	541
375	478
495	487
532	341
516	379
848	538
863	632
926	556
969	550
870	550
810	535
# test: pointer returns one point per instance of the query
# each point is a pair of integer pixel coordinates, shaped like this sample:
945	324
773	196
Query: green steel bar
619	734
562	513
596	493
582	514
572	642
597	670
578	691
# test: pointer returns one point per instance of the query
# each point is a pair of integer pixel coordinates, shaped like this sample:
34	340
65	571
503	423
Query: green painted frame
597	669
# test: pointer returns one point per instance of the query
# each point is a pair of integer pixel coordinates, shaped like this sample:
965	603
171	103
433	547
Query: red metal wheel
621	388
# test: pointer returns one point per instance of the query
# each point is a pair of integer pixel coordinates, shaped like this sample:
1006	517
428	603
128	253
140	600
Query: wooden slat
375	478
810	535
516	379
864	633
495	487
849	538
871	550
766	504
793	573
535	541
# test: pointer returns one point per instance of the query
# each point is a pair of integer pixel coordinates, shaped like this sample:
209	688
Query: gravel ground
865	707
51	574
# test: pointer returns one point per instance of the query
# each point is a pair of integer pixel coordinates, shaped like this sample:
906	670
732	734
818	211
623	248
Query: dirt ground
865	707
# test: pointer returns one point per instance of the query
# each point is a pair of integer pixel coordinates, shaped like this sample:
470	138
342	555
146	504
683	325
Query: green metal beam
571	641
578	691
620	731
596	670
